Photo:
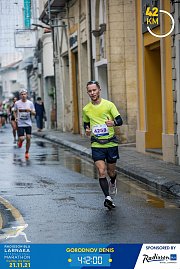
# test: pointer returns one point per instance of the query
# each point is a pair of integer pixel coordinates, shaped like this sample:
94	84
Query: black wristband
86	124
118	121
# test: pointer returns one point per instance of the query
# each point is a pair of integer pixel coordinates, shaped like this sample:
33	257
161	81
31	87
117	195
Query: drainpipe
90	40
54	67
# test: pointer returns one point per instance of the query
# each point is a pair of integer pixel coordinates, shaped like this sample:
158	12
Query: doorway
153	98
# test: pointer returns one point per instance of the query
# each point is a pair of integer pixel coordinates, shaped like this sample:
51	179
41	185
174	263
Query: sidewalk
150	170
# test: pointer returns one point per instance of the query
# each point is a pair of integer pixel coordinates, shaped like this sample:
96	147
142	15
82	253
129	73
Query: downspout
54	65
90	40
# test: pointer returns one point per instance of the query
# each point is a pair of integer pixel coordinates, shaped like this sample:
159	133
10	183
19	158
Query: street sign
25	39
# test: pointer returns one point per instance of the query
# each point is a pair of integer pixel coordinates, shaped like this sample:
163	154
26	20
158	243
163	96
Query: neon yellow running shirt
97	115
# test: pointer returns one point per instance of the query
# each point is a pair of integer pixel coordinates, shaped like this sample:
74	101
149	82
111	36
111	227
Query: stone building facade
175	10
94	40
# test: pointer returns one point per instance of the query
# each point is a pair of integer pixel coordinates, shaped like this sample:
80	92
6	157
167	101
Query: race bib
100	130
23	116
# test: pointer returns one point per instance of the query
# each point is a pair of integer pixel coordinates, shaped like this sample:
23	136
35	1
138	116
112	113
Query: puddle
65	158
41	144
54	154
150	195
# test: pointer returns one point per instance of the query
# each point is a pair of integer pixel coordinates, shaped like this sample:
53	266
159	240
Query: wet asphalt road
57	194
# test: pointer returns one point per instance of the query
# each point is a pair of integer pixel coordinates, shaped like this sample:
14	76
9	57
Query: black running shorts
22	130
110	155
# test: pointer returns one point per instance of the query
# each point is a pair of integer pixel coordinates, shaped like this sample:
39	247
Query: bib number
100	130
23	116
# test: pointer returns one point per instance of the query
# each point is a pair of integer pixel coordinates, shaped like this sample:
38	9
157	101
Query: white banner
159	256
25	39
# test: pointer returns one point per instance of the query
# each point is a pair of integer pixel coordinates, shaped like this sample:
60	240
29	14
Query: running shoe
27	155
112	188
19	143
108	202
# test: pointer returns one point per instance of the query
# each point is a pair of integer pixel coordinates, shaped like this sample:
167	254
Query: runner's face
93	92
23	96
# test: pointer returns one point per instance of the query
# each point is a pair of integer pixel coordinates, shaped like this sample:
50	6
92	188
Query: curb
169	187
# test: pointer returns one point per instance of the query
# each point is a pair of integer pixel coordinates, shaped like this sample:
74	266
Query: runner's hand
109	123
88	131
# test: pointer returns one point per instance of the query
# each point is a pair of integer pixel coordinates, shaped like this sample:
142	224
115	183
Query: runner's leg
14	128
101	166
20	136
28	142
111	170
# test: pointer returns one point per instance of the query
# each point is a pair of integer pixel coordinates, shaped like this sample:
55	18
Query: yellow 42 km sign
153	19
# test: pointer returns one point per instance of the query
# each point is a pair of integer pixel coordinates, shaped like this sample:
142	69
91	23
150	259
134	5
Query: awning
11	66
26	62
56	6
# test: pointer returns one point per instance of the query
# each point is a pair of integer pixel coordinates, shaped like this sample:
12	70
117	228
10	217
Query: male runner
23	110
99	117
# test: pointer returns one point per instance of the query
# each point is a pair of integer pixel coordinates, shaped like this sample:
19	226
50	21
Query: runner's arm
116	116
33	112
118	121
32	109
15	112
86	125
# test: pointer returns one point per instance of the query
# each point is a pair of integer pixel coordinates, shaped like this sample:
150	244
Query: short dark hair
93	82
22	90
38	98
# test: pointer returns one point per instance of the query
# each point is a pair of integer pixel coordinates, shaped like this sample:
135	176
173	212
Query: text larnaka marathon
17	251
